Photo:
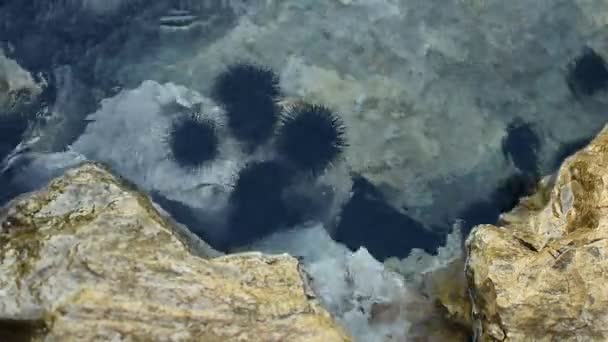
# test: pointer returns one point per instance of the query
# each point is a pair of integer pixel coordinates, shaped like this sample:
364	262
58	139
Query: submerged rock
540	275
90	258
18	90
440	280
17	86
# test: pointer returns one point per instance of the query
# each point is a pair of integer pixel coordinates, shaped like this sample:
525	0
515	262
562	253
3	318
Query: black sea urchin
242	81
311	137
248	93
257	206
588	73
193	142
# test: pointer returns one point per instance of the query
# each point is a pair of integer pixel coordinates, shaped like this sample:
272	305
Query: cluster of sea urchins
309	138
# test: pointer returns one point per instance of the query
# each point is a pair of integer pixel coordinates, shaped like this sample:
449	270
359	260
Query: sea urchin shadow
503	199
588	73
367	220
257	205
248	93
193	142
12	128
521	146
311	137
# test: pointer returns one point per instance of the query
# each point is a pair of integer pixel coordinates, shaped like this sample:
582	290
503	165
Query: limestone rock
448	286
90	258
444	313
17	87
541	274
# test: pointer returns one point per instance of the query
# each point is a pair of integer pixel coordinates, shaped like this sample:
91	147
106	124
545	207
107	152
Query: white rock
17	86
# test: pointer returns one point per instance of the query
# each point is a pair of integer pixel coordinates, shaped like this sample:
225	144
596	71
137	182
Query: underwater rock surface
427	90
540	274
18	91
91	258
17	86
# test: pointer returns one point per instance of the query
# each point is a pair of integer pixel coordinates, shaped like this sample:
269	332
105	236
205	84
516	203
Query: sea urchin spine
311	137
248	93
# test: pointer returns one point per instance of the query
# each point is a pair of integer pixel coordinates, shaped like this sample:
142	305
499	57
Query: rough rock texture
447	285
89	258
444	313
541	275
440	280
17	87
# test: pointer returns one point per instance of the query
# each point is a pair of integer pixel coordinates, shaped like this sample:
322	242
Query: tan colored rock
90	259
445	289
447	285
541	275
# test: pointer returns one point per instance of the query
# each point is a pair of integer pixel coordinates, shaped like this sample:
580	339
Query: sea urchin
248	93
257	206
193	142
311	137
242	81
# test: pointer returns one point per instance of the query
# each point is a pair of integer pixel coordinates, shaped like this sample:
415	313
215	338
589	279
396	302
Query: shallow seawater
448	111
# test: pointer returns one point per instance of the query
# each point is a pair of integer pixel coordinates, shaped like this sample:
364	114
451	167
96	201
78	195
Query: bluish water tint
11	131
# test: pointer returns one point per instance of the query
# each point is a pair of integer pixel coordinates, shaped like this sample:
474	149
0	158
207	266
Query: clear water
452	108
